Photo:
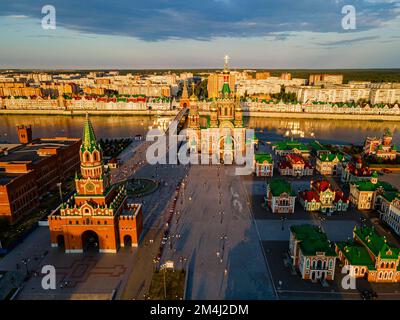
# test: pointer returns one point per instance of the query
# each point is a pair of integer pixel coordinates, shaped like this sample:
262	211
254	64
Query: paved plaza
218	237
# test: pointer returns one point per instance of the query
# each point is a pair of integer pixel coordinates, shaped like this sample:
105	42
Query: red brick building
28	171
98	215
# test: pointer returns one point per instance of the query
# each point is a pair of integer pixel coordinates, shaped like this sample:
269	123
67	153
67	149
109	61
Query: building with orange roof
295	165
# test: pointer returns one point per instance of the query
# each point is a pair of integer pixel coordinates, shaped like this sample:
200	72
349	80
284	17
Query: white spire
226	61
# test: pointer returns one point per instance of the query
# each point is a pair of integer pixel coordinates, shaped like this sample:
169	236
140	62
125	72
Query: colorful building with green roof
370	256
381	147
263	165
283	148
390	210
364	194
329	163
280	196
312	252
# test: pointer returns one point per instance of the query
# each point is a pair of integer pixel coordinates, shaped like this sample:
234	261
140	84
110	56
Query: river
329	131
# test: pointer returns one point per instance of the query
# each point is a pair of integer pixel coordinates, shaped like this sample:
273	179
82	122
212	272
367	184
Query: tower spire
88	137
185	94
226	62
193	97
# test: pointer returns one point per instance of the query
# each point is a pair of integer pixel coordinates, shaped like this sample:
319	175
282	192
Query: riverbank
253	114
91	112
322	116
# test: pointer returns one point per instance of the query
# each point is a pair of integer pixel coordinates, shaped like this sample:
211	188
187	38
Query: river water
329	131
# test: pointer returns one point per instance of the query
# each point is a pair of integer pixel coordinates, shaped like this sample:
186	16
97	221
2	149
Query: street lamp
283	219
322	219
25	262
60	190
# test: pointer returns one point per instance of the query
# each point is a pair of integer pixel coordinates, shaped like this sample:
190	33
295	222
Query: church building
222	139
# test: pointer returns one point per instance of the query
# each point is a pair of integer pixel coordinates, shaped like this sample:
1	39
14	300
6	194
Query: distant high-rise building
316	79
286	76
262	75
215	83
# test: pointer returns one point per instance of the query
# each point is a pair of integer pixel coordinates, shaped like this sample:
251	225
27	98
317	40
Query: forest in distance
372	75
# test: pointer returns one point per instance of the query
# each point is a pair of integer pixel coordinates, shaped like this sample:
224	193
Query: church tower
238	112
94	178
185	101
194	118
98	216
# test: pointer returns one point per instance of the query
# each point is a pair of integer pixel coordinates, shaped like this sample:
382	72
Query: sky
162	34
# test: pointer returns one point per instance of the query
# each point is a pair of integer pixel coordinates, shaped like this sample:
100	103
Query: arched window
87	157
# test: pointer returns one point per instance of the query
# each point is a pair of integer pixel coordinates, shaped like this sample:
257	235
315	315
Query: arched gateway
90	241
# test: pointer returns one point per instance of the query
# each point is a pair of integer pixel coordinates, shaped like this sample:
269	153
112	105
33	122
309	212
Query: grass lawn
175	285
140	186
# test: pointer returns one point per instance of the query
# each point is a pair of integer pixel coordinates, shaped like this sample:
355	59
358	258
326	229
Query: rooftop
369	186
279	186
376	243
29	152
356	255
263	157
313	240
290	145
5	178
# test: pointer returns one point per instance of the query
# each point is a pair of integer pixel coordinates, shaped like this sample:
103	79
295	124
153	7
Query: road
216	233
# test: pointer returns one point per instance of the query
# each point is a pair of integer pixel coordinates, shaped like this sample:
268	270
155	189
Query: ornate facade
312	253
381	147
370	256
223	138
280	198
365	194
97	215
322	197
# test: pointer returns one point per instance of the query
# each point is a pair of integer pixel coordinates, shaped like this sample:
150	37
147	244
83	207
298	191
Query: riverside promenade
255	114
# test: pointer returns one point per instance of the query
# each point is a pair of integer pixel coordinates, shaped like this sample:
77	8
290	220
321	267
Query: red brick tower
98	215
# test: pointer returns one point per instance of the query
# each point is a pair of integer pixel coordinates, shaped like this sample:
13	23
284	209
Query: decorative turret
374	177
90	153
387	137
185	101
213	115
226	90
238	112
194	118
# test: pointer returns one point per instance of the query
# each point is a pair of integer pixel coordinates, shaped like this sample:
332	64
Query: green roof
391	195
329	157
316	145
367	185
356	255
279	186
312	239
261	157
89	141
290	145
226	89
376	243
